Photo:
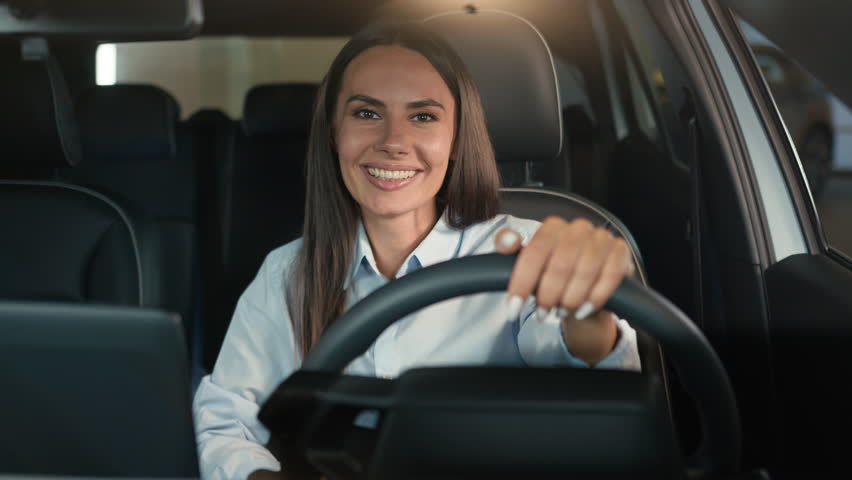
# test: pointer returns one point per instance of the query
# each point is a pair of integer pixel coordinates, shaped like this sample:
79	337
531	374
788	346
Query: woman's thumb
508	241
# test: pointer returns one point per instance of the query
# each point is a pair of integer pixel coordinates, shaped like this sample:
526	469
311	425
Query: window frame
777	133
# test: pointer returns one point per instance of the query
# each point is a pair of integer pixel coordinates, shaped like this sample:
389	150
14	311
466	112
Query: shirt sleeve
542	344
258	353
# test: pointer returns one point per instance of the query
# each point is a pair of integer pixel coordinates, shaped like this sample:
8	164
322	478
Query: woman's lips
390	184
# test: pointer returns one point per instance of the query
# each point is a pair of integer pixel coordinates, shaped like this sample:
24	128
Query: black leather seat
92	391
70	244
505	53
259	195
136	153
60	242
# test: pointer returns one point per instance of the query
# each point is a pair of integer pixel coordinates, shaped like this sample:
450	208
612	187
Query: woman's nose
395	140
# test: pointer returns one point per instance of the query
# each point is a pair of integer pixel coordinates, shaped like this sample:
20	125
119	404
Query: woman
401	175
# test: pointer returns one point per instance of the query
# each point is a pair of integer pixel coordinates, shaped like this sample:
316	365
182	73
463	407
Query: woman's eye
365	114
424	117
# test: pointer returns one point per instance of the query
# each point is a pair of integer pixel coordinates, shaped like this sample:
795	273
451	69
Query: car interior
139	223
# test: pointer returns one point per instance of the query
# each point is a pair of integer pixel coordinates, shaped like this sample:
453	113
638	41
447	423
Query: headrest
513	69
37	118
127	123
279	109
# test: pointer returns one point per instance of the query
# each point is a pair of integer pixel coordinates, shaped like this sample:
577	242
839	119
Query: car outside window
820	126
771	67
217	72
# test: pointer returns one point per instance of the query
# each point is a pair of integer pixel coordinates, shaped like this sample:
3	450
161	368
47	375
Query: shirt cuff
542	344
227	448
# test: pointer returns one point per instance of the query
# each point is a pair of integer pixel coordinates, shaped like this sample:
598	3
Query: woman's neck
394	238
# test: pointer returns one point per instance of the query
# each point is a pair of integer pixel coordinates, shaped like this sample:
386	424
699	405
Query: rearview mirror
102	20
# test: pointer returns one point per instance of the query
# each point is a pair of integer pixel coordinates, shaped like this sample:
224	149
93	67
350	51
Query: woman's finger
530	263
586	274
618	264
573	238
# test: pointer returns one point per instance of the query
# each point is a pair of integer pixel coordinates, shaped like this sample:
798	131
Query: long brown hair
470	192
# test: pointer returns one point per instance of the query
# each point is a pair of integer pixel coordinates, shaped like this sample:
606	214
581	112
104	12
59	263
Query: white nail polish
551	318
513	307
540	314
561	313
584	311
508	239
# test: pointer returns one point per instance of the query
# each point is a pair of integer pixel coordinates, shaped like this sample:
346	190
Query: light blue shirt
260	349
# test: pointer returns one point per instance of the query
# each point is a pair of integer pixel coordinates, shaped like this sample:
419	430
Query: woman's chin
391	210
385	212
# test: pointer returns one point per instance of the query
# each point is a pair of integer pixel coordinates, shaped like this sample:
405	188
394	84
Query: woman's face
394	128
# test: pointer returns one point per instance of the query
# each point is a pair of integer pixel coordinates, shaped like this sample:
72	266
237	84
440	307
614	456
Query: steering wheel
317	403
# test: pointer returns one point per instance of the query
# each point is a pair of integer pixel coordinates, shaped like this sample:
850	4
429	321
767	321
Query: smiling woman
382	91
391	142
401	175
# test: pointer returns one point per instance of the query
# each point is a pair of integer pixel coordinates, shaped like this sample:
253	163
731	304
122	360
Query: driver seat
514	71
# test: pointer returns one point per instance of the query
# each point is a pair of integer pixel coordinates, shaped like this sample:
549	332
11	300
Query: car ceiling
339	17
343	18
812	31
287	17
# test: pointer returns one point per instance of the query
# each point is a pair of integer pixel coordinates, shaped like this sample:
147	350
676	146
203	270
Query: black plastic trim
679	24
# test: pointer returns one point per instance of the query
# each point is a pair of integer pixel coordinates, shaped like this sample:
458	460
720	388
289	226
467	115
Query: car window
771	67
820	126
216	72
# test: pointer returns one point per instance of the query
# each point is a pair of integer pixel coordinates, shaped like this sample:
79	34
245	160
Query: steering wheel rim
701	371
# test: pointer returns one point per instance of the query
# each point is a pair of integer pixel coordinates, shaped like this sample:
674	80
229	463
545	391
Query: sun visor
102	20
813	33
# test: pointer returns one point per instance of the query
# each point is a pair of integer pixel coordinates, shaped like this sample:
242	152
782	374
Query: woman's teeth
390	174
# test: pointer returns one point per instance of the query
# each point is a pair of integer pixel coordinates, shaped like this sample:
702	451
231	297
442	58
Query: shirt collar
441	244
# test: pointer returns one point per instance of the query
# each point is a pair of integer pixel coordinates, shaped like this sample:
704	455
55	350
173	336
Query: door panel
810	300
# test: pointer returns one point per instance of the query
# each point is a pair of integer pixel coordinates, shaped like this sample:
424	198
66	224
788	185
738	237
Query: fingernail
514	304
562	313
552	317
584	311
508	239
540	314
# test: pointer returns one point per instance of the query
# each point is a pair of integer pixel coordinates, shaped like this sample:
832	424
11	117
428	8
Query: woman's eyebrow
426	102
366	99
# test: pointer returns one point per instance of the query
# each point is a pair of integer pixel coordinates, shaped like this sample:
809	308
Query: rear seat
61	243
137	154
259	194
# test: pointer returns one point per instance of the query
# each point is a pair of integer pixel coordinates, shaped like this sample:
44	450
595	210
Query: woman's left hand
572	268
